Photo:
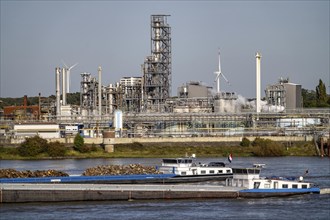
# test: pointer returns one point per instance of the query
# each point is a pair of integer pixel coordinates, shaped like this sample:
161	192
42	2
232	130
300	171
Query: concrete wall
229	139
181	140
206	139
293	96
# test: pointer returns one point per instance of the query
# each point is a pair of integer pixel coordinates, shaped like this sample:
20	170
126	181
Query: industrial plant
142	106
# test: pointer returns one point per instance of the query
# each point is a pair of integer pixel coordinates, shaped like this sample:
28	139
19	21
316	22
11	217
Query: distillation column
157	67
85	99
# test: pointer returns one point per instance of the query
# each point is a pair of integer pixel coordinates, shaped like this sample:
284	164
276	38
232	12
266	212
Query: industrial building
285	94
226	102
44	130
132	93
22	112
194	90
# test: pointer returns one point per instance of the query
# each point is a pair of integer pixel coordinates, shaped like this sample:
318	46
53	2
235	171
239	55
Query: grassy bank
160	150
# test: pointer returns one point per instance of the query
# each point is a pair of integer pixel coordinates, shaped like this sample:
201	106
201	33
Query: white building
43	130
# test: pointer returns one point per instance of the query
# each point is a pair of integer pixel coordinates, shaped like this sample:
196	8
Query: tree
245	142
78	142
56	149
32	146
321	95
309	98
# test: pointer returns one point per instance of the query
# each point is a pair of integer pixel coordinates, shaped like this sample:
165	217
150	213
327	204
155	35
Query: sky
35	36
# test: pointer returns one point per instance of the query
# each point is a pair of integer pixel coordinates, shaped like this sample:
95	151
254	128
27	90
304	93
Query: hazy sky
292	36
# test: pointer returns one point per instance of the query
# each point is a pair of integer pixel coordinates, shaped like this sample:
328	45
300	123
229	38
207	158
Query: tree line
72	98
318	98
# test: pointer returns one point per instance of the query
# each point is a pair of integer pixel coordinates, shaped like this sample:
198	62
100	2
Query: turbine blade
217	76
225	78
64	64
71	67
219	62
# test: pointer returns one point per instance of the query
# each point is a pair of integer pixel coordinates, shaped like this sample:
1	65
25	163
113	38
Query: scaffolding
131	90
88	94
157	67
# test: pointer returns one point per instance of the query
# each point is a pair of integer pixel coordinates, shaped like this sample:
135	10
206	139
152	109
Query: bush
267	148
245	142
56	149
93	148
259	141
32	146
78	143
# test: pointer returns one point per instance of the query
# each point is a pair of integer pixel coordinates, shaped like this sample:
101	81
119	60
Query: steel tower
157	67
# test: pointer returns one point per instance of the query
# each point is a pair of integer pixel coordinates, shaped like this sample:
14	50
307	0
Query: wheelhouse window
294	186
304	186
228	171
219	171
203	172
170	161
211	171
256	185
284	186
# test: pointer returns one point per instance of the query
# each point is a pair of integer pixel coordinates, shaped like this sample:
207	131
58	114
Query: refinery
142	106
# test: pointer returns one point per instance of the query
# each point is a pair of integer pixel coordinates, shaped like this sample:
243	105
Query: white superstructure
188	167
249	178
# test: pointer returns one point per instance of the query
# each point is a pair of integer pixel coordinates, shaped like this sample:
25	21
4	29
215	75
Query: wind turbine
68	75
218	74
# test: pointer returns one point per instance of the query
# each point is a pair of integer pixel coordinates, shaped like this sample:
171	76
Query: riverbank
165	149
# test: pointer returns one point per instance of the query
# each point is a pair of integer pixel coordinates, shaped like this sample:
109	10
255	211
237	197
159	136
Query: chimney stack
258	57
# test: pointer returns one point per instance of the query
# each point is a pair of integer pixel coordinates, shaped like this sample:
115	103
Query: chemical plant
142	106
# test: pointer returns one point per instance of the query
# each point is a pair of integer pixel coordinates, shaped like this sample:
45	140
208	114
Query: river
312	206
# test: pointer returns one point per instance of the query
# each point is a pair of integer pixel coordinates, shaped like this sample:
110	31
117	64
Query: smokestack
39	106
63	86
100	90
68	80
57	87
258	57
25	102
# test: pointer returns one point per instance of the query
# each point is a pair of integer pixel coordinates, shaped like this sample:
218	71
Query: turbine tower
218	74
68	75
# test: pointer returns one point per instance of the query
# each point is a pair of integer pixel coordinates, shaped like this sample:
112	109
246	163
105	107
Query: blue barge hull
143	178
261	193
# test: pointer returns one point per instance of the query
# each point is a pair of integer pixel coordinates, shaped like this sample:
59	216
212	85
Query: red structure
22	112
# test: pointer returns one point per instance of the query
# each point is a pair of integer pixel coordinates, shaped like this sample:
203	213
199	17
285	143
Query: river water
313	206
